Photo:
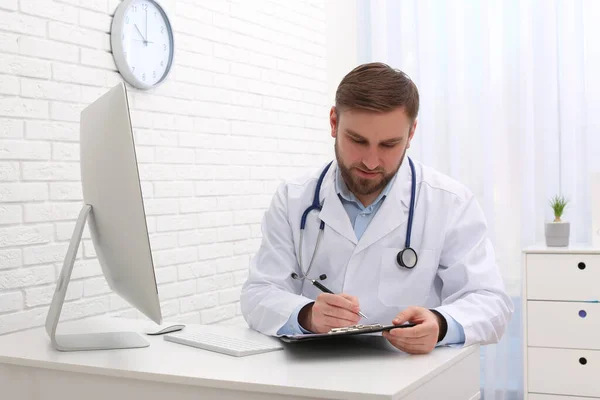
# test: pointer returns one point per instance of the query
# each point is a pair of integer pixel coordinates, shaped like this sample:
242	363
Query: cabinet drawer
563	277
563	371
563	324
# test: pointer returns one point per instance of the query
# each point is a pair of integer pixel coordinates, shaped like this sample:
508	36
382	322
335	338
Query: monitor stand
85	341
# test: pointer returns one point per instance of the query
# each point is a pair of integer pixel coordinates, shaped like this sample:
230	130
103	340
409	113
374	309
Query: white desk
364	368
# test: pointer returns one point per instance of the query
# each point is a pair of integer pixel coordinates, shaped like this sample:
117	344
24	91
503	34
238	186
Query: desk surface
360	365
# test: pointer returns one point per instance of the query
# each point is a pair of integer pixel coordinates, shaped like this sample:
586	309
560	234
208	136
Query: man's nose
371	159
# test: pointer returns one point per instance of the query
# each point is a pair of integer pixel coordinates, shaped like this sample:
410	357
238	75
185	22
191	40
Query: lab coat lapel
333	213
392	213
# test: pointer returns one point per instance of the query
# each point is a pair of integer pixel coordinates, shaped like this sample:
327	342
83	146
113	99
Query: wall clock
142	43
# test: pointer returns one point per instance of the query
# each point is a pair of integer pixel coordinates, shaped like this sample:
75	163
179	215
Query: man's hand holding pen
330	311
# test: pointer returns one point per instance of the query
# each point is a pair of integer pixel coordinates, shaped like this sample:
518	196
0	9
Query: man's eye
357	141
388	145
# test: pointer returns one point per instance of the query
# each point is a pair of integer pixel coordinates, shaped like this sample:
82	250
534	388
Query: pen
322	288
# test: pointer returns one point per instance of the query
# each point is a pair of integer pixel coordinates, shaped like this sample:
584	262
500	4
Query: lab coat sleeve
270	296
292	326
473	291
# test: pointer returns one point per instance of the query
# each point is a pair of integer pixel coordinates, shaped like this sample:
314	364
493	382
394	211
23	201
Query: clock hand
138	29
146	26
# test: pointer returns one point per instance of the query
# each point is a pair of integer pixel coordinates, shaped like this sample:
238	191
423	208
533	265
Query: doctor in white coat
400	242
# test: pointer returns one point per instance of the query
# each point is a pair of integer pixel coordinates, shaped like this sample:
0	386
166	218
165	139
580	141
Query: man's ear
413	128
333	121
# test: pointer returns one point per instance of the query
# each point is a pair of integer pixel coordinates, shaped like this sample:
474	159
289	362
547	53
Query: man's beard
363	186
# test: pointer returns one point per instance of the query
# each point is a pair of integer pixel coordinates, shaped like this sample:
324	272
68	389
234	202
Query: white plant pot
557	234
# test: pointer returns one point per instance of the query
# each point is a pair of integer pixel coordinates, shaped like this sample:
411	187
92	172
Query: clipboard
346	331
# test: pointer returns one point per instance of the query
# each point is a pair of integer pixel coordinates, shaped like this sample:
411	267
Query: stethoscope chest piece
407	258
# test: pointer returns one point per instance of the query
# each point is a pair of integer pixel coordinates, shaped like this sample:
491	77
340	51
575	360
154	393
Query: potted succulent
557	231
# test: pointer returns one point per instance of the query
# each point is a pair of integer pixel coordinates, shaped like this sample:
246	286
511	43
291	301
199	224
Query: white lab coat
456	271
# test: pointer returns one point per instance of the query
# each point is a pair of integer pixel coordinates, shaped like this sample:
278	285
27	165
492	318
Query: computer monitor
114	208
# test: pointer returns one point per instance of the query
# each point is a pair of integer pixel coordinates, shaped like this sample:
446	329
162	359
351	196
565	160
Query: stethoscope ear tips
295	276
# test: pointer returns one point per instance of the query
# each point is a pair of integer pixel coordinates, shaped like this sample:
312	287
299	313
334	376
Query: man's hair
377	87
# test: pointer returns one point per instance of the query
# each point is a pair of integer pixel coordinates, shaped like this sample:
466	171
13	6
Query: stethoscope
406	258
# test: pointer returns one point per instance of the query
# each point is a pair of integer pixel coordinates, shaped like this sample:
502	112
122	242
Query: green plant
558	204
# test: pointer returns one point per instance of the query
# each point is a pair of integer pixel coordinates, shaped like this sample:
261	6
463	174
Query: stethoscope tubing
316	205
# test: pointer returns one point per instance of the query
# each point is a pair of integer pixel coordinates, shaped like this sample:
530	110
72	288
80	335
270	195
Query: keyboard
221	344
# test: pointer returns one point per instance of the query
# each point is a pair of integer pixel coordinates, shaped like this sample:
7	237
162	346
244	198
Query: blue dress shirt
360	216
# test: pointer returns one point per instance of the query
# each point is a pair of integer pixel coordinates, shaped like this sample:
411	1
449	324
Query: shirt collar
345	193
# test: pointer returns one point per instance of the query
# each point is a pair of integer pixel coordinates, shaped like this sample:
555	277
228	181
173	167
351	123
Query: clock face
142	42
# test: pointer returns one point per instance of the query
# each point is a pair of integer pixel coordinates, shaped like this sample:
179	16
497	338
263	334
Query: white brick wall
245	106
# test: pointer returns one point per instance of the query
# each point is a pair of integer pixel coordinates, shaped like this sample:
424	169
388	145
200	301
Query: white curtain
510	106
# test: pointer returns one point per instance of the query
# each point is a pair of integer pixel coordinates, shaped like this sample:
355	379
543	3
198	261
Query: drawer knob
582	361
582	313
581	265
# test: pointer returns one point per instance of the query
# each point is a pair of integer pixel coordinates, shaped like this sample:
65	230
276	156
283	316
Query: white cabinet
561	322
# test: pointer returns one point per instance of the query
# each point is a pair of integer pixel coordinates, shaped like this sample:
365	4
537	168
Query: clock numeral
134	8
154	74
132	69
127	19
145	6
125	54
162	29
164	47
162	63
144	76
155	14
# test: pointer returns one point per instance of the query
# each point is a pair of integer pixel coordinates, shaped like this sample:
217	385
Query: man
372	203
